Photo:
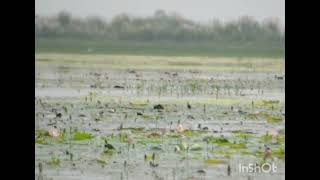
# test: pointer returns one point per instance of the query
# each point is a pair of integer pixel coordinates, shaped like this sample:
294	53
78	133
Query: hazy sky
201	10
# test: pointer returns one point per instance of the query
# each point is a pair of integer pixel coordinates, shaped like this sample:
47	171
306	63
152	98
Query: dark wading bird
107	145
229	170
152	163
158	106
188	105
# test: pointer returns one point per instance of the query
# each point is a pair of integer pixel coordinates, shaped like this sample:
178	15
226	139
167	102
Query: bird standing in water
229	170
107	145
188	105
130	143
267	154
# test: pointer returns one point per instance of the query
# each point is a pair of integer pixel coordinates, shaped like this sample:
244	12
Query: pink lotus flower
273	132
180	128
54	132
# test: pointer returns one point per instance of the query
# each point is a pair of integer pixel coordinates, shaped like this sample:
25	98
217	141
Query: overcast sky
201	10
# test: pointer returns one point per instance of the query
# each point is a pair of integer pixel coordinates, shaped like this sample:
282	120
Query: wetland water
228	117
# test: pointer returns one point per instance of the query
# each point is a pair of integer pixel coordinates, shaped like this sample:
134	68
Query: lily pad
195	147
101	161
215	161
238	146
82	136
54	161
274	119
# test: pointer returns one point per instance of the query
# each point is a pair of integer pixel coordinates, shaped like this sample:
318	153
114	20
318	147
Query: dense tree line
160	26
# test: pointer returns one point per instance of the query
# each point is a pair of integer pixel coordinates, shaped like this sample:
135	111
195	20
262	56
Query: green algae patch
274	119
54	161
101	161
195	147
238	146
215	161
134	129
266	138
146	141
191	133
109	152
279	152
270	102
218	140
78	136
41	132
281	139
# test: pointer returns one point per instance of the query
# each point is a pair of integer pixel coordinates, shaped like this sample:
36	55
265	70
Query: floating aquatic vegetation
109	152
123	137
270	102
173	135
218	140
157	147
41	140
183	145
195	147
146	141
238	146
281	139
192	133
55	161
279	152
134	129
101	161
148	157
252	116
41	132
82	136
154	135
147	117
44	137
274	119
243	135
215	161
266	138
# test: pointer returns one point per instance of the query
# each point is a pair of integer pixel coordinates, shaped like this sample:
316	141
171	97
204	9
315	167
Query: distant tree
64	18
160	26
160	14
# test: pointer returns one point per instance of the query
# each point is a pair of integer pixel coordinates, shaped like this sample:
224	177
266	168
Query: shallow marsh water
240	107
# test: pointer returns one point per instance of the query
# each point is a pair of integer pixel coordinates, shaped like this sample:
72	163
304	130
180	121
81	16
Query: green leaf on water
54	161
148	157
41	140
101	161
278	151
274	119
109	152
215	161
191	133
238	146
266	138
134	129
218	140
41	132
183	146
82	136
195	147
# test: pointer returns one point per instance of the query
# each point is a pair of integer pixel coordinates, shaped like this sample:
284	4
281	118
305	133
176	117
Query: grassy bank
200	49
213	64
